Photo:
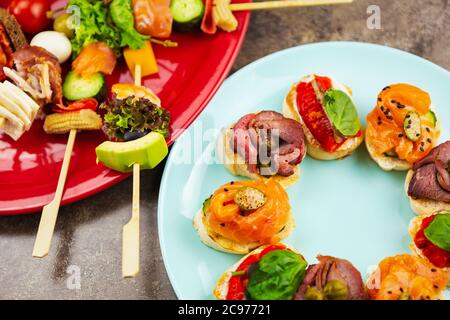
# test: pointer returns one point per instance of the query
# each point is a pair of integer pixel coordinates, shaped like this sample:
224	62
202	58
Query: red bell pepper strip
89	103
208	26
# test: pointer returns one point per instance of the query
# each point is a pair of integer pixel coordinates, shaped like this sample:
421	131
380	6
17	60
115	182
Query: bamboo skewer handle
50	211
283	4
130	237
130	242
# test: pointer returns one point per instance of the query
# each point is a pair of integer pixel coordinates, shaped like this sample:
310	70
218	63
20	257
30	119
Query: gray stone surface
88	232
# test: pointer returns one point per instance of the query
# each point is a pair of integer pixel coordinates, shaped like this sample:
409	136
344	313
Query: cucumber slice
77	87
412	126
248	198
187	14
391	154
206	205
432	116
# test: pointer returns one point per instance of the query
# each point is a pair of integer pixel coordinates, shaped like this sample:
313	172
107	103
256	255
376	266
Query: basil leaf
438	231
342	112
276	276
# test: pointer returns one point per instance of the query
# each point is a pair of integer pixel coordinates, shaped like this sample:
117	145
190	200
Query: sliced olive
313	294
63	24
249	198
432	116
336	290
412	126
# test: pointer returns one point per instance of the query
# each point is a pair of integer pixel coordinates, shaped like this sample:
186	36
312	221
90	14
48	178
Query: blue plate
350	208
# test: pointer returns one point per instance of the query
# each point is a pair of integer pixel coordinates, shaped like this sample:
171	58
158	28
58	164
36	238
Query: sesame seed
433	270
390	118
428	129
400	135
222	224
401	289
379	99
232	182
435	286
422	150
429	140
409	121
408	116
382	108
393	101
422	143
389	292
408	126
418	135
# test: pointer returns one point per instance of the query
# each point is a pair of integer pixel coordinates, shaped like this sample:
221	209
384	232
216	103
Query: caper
313	294
63	24
336	290
249	198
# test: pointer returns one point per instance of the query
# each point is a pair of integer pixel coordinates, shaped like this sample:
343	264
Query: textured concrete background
87	232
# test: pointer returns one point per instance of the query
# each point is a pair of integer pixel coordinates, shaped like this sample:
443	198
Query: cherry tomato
31	14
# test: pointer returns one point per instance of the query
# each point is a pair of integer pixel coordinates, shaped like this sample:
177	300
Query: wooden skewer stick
130	241
283	4
50	211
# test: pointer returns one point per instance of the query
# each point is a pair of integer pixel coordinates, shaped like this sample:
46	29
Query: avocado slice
148	151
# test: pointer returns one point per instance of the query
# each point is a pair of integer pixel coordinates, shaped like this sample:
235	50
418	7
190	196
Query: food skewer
283	4
61	123
130	238
219	13
50	211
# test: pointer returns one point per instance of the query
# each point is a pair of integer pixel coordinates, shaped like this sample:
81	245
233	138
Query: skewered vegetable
85	119
77	87
187	14
122	16
94	27
144	57
63	24
223	17
148	151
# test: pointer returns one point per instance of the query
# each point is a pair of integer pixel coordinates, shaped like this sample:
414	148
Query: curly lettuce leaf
134	115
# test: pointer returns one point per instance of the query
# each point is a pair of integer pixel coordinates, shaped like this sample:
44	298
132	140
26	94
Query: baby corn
59	123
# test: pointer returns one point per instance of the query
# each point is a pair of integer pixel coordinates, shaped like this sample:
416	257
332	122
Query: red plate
188	78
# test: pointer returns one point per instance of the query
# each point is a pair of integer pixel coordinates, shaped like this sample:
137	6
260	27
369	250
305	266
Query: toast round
236	165
424	206
314	148
218	242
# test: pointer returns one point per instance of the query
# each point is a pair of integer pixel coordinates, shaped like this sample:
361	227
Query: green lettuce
94	25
